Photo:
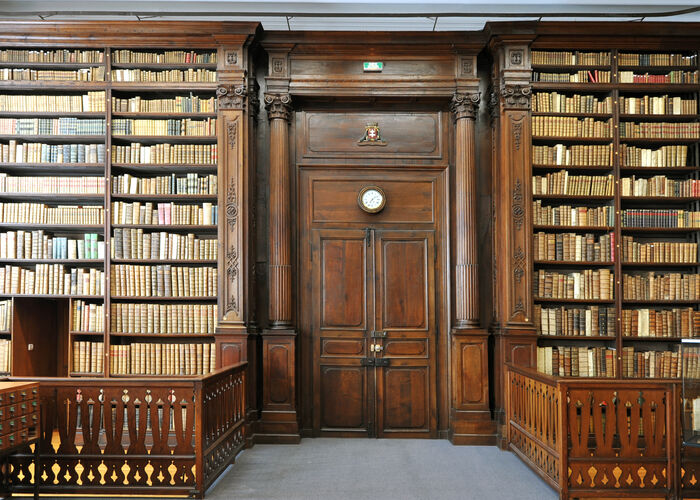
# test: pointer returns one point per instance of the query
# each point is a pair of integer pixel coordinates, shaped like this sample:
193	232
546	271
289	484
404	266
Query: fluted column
280	271
464	108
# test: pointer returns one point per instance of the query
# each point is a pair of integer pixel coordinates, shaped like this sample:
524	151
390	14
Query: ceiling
358	15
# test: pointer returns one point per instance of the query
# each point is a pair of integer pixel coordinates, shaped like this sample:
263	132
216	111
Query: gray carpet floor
378	469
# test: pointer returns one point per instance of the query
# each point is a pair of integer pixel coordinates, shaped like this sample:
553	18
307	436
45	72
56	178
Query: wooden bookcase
129	64
599	92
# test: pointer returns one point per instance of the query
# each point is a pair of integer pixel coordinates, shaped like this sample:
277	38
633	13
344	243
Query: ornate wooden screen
116	436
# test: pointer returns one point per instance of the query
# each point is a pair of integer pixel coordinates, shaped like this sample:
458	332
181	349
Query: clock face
371	199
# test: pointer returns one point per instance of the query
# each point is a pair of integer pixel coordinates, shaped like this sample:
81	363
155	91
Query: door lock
375	348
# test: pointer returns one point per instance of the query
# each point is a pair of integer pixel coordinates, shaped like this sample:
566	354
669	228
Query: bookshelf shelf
577	168
51	114
58	197
658	170
190	139
163	261
77	228
565	197
165	197
575	229
575	139
160	87
660	199
650	339
570	67
574	87
574	301
72	262
573	263
121	114
659	140
659	302
52	65
164	335
170	299
97	138
658	117
48	85
660	264
158	168
578	115
578	337
659	230
88	334
162	66
53	296
192	228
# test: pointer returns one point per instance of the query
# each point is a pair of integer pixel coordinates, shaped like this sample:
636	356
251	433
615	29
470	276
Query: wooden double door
373	331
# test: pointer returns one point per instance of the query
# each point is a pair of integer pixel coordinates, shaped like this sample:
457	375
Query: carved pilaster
464	108
280	270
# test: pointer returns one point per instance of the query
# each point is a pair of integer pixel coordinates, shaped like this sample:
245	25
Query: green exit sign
373	66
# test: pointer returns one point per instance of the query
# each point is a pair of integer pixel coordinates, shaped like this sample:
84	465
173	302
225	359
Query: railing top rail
587	382
177	381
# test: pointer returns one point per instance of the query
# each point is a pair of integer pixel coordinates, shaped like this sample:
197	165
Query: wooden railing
132	436
596	438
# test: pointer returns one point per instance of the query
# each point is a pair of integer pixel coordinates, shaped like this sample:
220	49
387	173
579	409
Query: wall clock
371	199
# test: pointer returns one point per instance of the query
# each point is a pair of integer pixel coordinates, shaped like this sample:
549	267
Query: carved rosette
516	96
465	105
232	96
518	208
279	106
231	205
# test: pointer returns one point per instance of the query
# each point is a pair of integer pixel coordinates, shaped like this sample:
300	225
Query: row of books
656	59
584	155
665	156
169	56
185	319
660	130
36	152
52	126
54	56
51	279
137	244
650	364
563	361
88	357
658	105
569	58
658	251
164	214
5	315
670	77
79	75
87	316
37	245
570	126
574	185
189	75
555	102
583	76
659	185
691	407
652	286
598	284
163	281
39	213
178	104
162	359
190	183
52	185
572	247
178	127
88	102
591	321
677	322
158	154
660	218
5	355
566	215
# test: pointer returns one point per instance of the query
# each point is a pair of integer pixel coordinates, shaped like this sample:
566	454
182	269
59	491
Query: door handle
375	348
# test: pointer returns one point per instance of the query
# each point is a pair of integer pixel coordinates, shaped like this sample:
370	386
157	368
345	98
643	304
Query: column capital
232	96
516	95
465	105
279	106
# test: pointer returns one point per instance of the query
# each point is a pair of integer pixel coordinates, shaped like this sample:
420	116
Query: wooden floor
406	469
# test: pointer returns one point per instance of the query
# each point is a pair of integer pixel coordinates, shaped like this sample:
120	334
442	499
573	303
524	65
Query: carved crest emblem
372	136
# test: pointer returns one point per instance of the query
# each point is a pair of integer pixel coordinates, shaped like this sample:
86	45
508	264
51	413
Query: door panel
343	395
405	294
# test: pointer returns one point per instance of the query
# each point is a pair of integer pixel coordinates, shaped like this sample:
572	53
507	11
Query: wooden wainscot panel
406	348
408	201
338	347
347	136
470	373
